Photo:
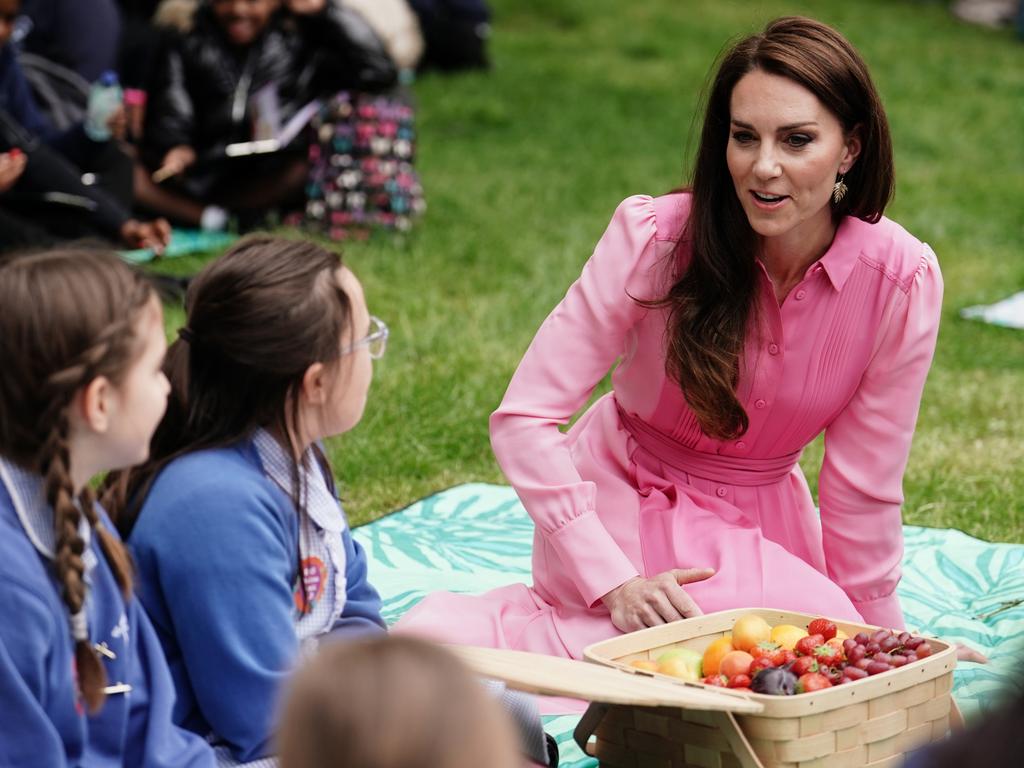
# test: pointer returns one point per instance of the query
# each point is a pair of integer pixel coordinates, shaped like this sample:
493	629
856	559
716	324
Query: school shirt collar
27	490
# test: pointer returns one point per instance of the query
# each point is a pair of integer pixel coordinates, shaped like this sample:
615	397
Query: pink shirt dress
635	486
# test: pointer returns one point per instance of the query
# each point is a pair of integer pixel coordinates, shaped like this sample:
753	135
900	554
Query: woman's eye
742	137
799	140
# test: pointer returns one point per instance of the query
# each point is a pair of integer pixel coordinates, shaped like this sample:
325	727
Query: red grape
872	648
924	650
861	638
889	644
911	657
855	654
914	642
884	658
878	667
898	661
854	673
848	644
880	635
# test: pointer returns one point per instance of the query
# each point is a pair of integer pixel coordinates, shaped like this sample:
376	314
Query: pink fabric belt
729	470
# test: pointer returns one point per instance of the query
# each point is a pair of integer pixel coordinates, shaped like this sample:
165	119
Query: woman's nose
767	166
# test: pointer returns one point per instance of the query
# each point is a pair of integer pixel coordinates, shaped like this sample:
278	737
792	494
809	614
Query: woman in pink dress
768	303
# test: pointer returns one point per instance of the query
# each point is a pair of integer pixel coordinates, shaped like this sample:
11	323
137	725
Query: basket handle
587	725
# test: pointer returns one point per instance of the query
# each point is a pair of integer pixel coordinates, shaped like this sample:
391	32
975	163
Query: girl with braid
82	675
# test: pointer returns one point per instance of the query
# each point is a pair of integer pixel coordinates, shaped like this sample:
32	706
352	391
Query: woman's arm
866	451
573	349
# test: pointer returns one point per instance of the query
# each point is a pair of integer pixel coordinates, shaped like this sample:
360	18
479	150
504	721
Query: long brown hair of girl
257	318
710	305
68	317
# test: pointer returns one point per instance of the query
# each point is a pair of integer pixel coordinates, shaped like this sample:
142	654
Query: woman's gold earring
839	190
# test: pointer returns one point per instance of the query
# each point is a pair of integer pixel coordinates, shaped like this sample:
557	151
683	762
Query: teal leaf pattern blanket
475	537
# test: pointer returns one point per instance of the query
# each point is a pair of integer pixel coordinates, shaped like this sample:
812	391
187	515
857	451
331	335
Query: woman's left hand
305	7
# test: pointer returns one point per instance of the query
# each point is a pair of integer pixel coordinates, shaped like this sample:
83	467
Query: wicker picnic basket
636	722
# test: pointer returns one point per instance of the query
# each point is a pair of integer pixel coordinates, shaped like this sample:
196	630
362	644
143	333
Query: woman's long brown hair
710	305
68	317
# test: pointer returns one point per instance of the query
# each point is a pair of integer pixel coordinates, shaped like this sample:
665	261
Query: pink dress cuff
590	557
881	611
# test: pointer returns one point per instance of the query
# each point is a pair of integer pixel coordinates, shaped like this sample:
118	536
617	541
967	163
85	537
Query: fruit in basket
828	655
719	681
787	635
761	662
749	630
683	663
803	665
645	664
812	681
739	681
827	629
807	645
772	651
775	681
714	653
736	663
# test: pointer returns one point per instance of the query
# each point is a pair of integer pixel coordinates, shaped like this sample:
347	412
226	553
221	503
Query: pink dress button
760	403
741	446
721	491
800	295
773	349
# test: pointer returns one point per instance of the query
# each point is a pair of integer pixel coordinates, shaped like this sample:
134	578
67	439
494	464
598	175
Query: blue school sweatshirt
216	548
43	722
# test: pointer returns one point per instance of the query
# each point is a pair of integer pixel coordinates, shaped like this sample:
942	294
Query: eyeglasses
376	341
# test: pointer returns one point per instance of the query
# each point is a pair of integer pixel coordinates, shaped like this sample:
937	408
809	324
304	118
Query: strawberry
805	645
828	655
769	650
739	681
761	662
824	627
803	665
719	681
812	681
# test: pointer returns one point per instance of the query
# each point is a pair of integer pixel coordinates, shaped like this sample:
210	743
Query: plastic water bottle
104	98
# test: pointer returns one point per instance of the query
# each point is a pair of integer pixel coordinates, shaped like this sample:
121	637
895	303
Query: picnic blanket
473	537
1008	313
184	242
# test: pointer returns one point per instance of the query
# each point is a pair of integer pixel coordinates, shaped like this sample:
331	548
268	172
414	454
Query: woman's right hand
641	602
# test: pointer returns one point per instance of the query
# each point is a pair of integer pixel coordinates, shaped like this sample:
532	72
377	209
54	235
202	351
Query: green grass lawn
590	101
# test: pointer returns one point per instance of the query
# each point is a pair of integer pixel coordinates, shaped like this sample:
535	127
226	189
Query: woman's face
785	149
243	20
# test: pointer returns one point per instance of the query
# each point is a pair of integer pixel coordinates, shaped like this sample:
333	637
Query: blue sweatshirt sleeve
361	615
222	554
28	733
153	740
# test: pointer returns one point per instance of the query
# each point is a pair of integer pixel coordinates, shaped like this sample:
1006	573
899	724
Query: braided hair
68	317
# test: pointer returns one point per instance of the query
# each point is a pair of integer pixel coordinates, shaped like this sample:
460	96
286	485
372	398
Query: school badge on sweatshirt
314	578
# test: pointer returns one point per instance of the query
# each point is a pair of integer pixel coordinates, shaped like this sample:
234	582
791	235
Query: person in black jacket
203	101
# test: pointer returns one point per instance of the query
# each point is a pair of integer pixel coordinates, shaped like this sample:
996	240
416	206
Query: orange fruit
713	654
735	663
787	635
749	630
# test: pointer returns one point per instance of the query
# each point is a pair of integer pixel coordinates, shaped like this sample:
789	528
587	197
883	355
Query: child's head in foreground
394	702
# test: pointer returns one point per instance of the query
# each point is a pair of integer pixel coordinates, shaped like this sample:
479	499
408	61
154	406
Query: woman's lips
768	202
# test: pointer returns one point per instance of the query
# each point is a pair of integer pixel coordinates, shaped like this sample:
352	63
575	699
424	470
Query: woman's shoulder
665	214
888	247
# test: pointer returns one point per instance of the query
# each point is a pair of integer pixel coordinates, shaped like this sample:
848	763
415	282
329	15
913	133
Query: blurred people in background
204	95
61	183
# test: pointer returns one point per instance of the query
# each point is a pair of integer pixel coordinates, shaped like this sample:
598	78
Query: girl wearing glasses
245	560
83	679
